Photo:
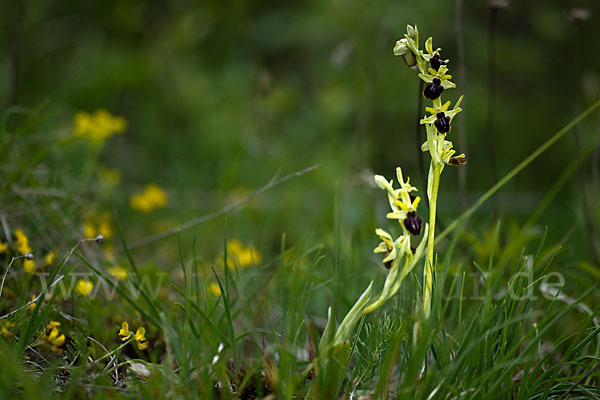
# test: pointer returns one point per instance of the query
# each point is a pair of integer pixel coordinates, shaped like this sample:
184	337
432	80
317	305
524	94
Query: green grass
493	332
255	146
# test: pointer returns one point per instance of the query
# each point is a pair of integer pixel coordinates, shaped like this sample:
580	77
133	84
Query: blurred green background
221	96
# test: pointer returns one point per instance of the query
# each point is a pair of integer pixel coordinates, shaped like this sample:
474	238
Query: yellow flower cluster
22	244
118	272
241	256
101	225
53	337
23	248
152	197
238	256
29	266
5	328
140	335
99	125
32	306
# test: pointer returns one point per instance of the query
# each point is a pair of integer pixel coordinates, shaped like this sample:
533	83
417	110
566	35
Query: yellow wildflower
84	287
140	335
234	247
105	229
242	256
250	256
99	125
83	123
5	327
214	289
118	272
53	324
124	332
101	225
105	225
32	306
29	266
22	242
89	230
53	336
140	338
3	247
56	339
152	197
50	258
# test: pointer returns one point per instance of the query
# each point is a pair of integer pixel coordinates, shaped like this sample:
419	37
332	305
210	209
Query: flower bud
401	47
409	59
99	239
380	181
28	256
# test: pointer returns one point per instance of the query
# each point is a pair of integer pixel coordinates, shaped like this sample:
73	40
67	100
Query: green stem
437	170
114	351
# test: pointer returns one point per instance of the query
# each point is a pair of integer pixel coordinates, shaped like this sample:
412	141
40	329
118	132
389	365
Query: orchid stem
437	171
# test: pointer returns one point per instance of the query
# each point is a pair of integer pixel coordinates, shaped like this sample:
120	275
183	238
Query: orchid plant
398	254
434	72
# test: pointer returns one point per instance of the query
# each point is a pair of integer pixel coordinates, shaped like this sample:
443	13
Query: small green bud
401	47
410	31
410	59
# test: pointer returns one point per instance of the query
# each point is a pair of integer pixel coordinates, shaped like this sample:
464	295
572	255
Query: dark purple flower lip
435	62
413	223
442	122
459	160
433	90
